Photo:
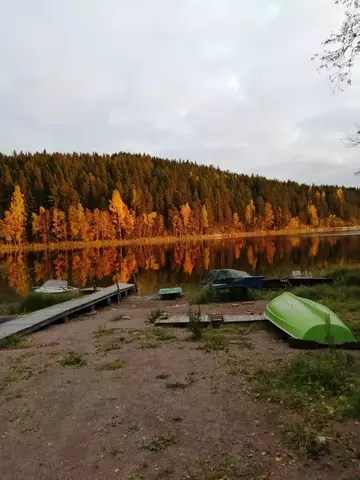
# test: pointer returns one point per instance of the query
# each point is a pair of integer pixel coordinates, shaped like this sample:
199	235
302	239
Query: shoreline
35	247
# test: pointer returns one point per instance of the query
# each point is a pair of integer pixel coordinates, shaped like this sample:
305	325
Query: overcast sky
226	82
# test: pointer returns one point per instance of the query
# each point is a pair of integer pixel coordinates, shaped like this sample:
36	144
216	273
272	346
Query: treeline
82	197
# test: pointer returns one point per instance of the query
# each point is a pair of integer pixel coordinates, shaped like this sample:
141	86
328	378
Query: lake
181	264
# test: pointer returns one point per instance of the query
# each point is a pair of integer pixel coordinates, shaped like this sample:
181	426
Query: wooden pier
31	322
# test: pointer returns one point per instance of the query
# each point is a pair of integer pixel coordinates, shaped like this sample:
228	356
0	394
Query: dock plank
34	321
183	320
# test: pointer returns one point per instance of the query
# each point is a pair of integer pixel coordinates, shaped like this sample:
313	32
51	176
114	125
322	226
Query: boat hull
304	319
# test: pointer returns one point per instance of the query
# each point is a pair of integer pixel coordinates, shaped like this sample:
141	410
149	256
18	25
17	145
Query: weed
159	444
162	376
154	315
177	419
72	359
163	335
137	476
13	341
114	365
102	332
304	440
115	451
149	345
353	410
176	385
196	325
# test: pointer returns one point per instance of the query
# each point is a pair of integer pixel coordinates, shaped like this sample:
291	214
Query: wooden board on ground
34	321
183	320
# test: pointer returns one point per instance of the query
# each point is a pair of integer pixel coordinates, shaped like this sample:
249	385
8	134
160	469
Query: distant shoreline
37	247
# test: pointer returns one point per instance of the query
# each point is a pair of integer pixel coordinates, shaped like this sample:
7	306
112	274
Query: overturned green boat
306	320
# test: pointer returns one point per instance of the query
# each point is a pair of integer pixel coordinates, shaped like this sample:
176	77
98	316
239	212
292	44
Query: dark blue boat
229	278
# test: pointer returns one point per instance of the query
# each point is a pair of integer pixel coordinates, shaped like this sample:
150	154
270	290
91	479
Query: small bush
72	359
114	365
13	341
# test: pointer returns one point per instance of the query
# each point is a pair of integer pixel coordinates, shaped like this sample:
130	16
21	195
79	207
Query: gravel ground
170	411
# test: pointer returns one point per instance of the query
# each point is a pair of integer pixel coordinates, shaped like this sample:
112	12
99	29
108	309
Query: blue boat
228	278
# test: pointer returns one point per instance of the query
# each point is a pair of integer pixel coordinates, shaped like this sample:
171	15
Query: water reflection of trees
154	266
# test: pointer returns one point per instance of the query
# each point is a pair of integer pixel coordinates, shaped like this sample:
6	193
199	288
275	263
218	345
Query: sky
223	82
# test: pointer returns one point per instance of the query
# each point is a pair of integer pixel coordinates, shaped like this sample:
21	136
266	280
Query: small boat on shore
307	320
229	278
56	286
170	293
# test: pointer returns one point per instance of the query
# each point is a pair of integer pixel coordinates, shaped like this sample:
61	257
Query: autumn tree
313	215
77	222
120	214
41	224
249	214
58	225
15	219
269	216
204	219
185	212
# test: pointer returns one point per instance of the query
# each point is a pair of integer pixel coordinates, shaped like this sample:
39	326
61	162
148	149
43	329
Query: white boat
56	286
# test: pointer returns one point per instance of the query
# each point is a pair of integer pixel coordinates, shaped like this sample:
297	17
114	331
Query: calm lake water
181	264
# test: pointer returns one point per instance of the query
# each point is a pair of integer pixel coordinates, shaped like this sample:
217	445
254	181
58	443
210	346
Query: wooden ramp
183	320
34	321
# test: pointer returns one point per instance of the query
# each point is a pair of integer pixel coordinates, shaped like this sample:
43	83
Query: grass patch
154	315
72	359
353	410
160	444
11	342
163	335
304	440
215	341
103	332
162	376
37	301
245	344
322	385
114	365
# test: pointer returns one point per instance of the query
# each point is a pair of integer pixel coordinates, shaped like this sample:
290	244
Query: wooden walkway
34	321
183	320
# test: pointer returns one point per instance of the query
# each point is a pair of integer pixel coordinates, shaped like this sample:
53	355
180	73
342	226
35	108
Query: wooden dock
183	320
31	322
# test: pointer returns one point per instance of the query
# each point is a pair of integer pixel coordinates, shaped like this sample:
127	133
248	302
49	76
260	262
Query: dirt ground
172	411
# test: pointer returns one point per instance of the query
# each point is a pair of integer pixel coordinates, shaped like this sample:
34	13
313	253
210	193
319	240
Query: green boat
170	293
306	320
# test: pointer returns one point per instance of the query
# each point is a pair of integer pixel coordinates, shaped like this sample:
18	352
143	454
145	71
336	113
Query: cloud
226	82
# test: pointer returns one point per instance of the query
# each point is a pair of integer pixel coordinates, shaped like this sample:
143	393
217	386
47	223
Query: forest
55	197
